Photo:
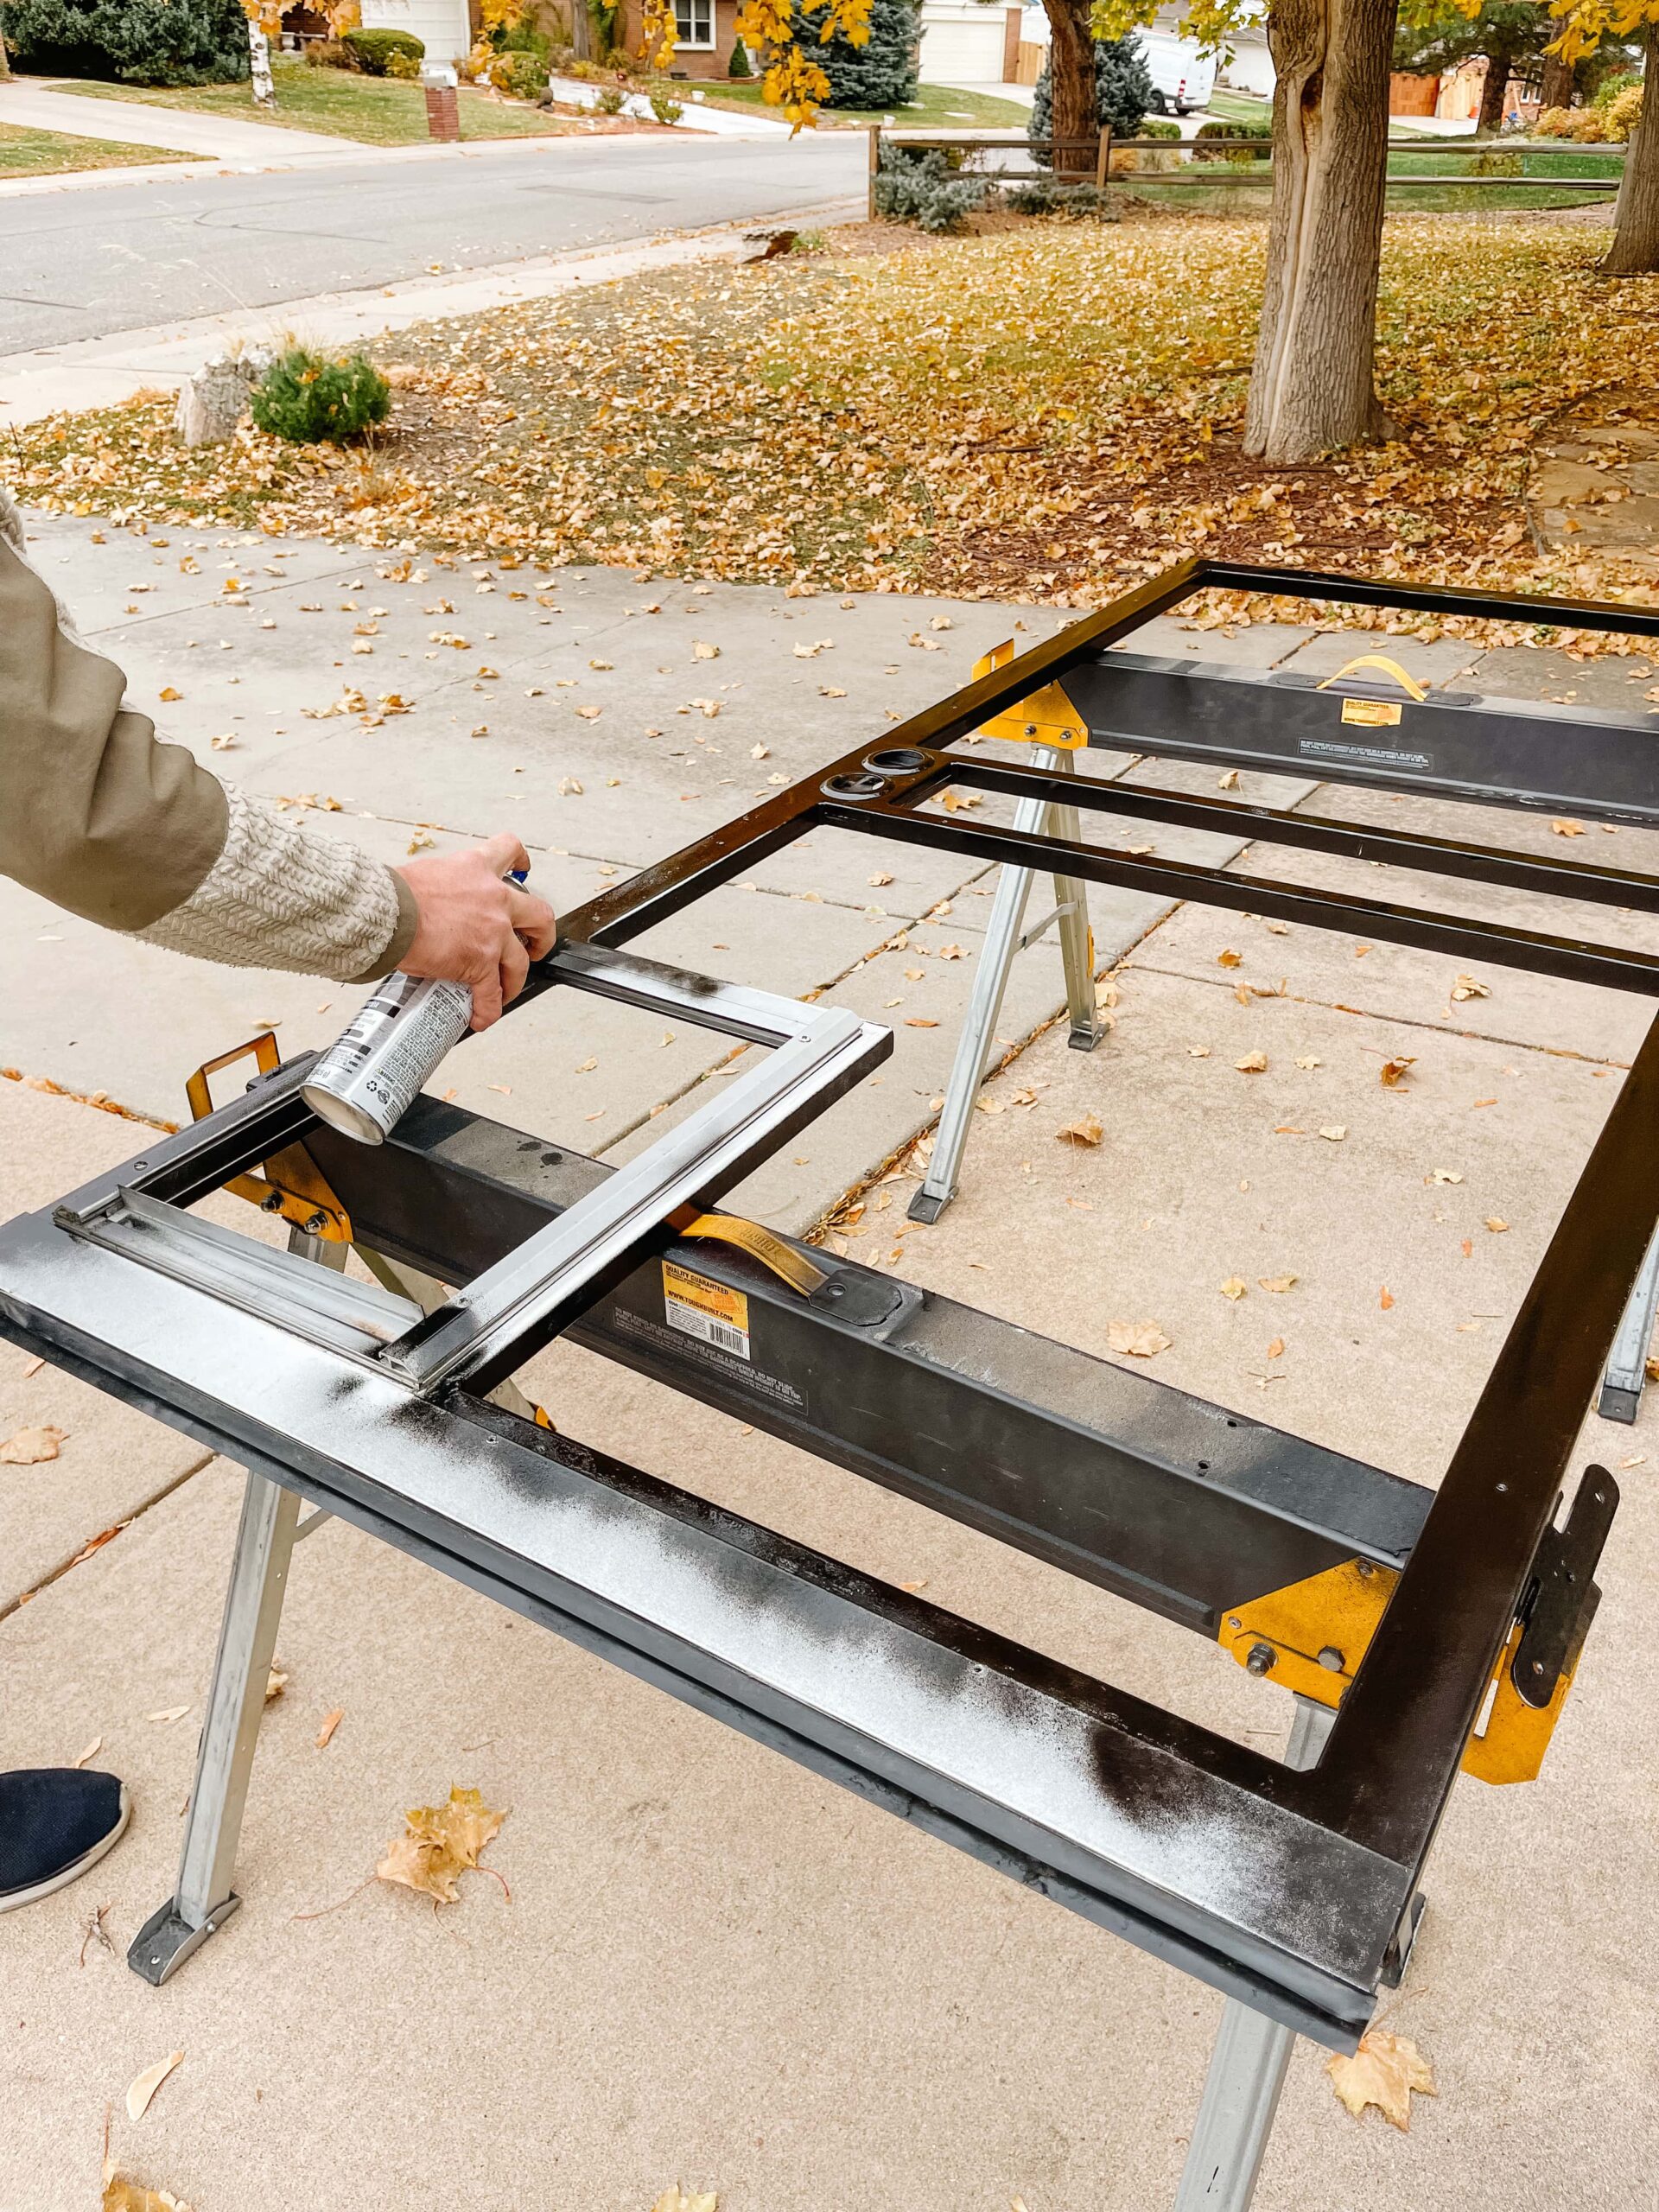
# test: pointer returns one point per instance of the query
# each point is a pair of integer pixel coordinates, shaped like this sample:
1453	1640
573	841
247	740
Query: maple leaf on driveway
439	1842
1383	2072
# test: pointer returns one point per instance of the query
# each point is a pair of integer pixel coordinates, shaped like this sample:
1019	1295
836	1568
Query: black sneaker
55	1821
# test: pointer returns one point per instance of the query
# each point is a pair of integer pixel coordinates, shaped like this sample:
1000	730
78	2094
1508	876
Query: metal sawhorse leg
1626	1370
1249	2060
1252	2053
204	1898
1002	940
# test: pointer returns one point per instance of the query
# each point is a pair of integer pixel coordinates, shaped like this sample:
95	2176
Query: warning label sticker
1371	713
709	1311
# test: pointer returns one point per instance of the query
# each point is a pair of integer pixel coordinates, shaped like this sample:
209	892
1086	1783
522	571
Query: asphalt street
81	264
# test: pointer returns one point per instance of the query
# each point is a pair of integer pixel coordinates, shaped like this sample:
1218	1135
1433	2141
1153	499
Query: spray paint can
375	1069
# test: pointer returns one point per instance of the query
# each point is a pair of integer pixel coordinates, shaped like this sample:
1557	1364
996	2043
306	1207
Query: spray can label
376	1069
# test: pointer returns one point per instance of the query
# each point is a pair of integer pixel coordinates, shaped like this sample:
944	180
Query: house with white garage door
444	27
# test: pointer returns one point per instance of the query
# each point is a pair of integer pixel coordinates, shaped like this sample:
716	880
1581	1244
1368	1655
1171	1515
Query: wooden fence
1089	160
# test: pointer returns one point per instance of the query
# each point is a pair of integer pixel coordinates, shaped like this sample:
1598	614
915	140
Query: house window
693	22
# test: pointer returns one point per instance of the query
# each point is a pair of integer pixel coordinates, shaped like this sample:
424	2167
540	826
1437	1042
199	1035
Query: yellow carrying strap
785	1262
1408	684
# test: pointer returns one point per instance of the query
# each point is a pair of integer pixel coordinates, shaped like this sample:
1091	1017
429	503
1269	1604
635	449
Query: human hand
474	928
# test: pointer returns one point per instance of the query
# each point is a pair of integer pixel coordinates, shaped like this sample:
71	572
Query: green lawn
49	153
1238	107
934	107
376	111
1242	187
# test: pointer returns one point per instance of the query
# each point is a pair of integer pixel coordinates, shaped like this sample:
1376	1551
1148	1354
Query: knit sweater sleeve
102	818
280	896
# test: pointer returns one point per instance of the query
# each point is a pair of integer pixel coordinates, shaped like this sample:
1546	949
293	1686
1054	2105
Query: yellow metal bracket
1047	718
1310	1637
292	1185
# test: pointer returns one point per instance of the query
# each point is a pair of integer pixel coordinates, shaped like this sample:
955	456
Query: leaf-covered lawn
25	152
375	111
1052	411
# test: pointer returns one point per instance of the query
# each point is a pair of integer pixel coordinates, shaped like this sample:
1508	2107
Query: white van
1183	77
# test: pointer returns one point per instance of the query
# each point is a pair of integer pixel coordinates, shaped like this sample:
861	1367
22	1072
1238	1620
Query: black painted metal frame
1285	1886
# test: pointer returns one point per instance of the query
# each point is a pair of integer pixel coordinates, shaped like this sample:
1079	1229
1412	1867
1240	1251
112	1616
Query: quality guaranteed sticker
709	1311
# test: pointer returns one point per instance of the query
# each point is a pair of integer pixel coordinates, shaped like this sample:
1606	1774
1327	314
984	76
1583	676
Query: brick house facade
706	32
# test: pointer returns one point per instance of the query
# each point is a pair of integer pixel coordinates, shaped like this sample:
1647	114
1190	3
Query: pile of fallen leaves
1043	413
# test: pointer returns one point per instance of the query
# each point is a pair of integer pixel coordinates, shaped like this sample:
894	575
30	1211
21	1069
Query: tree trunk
1635	249
1072	81
1557	86
1498	64
264	91
1311	388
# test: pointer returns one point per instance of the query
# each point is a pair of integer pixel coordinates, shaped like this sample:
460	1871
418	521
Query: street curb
102	372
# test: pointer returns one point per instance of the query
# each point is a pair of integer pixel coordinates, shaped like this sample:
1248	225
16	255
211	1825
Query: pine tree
884	74
137	41
1124	92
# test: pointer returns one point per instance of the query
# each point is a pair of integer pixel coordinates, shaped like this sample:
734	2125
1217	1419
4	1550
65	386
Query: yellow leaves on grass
439	1842
1383	2072
937	419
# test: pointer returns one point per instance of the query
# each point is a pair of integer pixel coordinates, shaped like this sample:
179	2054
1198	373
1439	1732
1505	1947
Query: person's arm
103	819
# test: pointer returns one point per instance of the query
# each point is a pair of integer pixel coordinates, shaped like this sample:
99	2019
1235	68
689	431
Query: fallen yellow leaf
1276	1348
1495	1225
1277	1282
1235	1287
1086	1129
121	2195
1252	1064
331	1721
1230	959
30	1445
439	1842
678	2199
144	2086
1466	987
1140	1339
1383	2072
1562	828
1393	1072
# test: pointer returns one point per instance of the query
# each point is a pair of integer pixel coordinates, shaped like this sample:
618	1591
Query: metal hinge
1311	1636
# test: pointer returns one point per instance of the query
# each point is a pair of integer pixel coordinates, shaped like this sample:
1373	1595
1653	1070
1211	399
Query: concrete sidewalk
133	123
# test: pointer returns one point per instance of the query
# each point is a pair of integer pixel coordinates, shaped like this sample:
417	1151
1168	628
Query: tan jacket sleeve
103	819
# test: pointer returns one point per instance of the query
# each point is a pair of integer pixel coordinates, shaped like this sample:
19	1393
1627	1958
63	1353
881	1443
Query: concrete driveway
701	1964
